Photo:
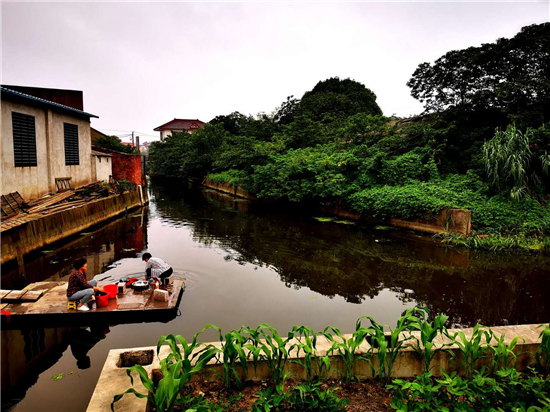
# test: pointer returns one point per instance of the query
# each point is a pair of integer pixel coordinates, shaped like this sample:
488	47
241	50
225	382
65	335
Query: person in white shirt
157	268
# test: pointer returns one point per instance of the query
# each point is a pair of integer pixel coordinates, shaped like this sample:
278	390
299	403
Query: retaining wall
48	229
114	380
227	188
446	221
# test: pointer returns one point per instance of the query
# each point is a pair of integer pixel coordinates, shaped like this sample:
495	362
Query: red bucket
111	290
102	300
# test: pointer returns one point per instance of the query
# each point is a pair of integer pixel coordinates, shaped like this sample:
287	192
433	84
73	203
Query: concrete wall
81	174
33	182
227	188
447	220
102	168
51	228
30	182
114	380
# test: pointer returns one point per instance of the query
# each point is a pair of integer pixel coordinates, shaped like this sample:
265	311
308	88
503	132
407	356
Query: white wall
81	174
103	167
33	182
30	182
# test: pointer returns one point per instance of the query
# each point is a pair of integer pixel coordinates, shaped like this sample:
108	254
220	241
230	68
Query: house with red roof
179	125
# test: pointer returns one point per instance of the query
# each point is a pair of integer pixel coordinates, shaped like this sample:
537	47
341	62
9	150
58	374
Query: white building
179	125
43	140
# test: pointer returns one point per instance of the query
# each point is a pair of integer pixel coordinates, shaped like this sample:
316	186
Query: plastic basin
102	300
111	290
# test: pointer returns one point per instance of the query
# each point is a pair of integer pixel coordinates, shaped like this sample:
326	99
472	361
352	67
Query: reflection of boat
129	307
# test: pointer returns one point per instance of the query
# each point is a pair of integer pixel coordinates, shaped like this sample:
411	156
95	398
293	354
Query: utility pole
132	137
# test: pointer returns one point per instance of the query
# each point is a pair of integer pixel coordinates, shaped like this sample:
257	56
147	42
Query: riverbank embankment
27	233
456	221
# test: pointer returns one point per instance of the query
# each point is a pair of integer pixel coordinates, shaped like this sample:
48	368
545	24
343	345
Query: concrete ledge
114	380
227	188
51	228
446	221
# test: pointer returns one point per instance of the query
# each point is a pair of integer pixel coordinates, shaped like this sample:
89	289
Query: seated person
79	287
157	268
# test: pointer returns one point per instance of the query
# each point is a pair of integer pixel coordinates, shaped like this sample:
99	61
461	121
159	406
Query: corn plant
346	349
428	332
471	350
314	365
167	392
387	346
503	355
190	350
233	354
543	351
272	349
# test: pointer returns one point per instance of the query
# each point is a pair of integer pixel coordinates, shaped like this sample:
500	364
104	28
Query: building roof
181	124
101	154
98	132
38	100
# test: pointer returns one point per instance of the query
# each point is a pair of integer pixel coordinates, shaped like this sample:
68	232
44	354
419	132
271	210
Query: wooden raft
51	308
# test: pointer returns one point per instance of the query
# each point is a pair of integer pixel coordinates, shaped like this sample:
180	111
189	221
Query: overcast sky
142	64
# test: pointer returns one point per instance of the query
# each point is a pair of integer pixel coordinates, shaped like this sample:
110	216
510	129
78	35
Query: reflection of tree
347	261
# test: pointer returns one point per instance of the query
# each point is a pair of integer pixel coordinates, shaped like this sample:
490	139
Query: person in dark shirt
79	287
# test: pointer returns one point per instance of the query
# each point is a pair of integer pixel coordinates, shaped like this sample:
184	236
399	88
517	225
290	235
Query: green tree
511	75
112	143
334	99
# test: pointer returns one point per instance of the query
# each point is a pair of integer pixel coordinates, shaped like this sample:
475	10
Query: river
250	263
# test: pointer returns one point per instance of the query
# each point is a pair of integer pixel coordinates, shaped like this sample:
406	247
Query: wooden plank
3	306
13	296
4	293
32	296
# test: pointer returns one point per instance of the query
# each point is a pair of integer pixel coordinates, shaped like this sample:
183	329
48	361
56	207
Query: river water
251	263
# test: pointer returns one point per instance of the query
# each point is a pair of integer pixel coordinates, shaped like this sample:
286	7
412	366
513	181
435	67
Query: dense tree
112	143
334	99
232	123
511	75
187	155
286	113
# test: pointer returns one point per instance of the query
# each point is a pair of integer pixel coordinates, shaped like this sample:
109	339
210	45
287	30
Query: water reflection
122	238
358	263
27	353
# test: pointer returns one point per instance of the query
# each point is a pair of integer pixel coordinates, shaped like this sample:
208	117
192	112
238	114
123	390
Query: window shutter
71	144
24	140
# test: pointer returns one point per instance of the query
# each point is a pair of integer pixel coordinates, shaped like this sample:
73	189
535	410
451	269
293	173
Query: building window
99	159
24	140
70	132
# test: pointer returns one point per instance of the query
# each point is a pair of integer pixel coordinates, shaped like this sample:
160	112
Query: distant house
144	147
179	125
44	140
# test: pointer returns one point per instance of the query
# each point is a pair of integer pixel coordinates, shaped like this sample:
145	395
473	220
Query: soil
364	396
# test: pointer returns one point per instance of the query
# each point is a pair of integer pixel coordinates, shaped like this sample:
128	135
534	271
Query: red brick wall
128	167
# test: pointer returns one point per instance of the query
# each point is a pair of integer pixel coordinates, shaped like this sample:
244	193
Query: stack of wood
52	203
